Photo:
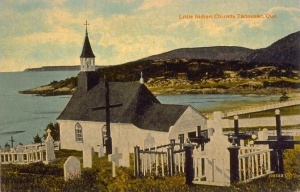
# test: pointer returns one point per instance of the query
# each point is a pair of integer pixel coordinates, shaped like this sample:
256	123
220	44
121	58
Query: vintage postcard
149	95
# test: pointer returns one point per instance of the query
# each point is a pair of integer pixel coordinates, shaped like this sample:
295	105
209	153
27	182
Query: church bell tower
87	78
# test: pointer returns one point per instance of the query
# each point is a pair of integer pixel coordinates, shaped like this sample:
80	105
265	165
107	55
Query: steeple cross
86	24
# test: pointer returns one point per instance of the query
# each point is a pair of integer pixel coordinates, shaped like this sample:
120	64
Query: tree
54	131
37	139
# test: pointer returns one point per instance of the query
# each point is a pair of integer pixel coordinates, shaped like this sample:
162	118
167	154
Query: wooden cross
200	139
115	160
107	107
279	144
237	136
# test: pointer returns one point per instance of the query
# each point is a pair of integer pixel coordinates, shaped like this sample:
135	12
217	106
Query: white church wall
136	136
188	122
91	132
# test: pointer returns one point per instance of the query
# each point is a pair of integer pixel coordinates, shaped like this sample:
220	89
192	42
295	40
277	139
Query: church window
181	138
104	134
78	133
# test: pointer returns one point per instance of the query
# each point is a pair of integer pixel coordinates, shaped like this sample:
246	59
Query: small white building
140	115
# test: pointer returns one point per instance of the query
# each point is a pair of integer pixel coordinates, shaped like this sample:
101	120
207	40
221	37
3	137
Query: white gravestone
263	136
101	150
217	161
115	158
49	145
72	168
20	149
149	142
87	156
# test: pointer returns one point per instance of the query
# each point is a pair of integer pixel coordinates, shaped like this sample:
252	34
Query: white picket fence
253	109
161	161
29	154
26	154
254	162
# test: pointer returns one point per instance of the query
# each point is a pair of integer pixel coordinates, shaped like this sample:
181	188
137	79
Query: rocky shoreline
49	90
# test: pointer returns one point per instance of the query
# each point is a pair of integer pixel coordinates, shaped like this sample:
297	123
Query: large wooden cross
237	136
107	107
279	144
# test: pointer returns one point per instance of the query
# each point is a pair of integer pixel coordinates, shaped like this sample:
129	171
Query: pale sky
36	33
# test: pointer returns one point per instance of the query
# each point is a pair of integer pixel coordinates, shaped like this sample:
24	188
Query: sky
36	33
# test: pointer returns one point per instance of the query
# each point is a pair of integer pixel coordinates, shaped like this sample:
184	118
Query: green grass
37	177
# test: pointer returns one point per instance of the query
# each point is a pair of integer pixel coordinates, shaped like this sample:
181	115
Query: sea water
31	114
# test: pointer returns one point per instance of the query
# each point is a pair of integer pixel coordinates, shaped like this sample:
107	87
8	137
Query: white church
140	116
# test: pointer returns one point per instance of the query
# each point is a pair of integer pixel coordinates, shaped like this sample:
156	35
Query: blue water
27	112
212	102
32	113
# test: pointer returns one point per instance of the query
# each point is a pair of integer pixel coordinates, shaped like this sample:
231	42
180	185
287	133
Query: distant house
140	115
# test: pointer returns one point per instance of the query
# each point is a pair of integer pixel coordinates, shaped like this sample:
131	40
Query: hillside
285	50
227	53
206	70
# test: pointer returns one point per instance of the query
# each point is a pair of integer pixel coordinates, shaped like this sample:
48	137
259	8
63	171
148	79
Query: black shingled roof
139	106
87	49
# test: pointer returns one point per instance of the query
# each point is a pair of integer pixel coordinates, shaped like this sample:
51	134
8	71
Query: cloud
149	4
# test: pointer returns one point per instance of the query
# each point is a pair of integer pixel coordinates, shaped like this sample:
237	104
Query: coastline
48	90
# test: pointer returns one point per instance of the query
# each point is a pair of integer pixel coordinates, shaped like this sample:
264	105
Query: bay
31	113
28	113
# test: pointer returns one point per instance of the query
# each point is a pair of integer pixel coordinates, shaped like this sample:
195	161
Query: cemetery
211	161
116	136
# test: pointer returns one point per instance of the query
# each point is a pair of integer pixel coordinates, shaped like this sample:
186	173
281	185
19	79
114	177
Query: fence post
234	163
170	156
137	161
189	169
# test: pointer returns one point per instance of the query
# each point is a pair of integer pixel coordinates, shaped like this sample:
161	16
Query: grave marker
87	156
100	150
115	160
72	168
279	145
49	145
20	149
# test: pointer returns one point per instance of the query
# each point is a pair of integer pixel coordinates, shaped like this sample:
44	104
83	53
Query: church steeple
88	77
87	57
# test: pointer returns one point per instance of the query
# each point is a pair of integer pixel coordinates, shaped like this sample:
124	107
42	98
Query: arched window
78	133
104	134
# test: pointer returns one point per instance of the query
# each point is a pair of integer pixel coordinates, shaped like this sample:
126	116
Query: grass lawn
39	177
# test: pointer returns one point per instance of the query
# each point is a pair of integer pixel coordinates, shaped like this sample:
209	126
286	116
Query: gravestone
263	135
115	158
72	168
49	145
101	150
279	143
20	149
149	141
87	156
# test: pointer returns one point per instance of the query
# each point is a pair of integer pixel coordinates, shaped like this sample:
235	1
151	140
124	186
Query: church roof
139	106
87	49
